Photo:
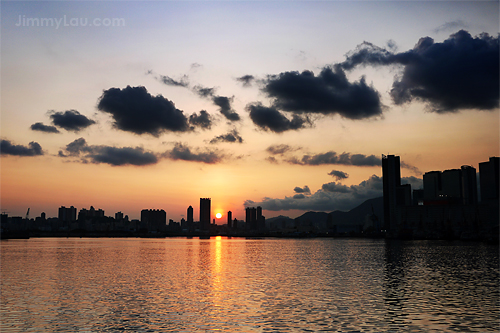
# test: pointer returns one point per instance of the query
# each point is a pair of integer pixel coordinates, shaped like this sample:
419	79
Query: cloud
204	120
416	183
338	175
115	156
183	82
332	196
204	91
232	136
412	168
271	119
462	72
246	80
224	103
183	152
451	26
7	148
70	120
328	93
135	110
305	190
332	157
44	128
280	149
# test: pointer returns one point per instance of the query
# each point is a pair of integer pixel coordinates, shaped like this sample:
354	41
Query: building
469	185
251	218
229	219
205	214
67	214
489	179
432	185
155	220
391	178
190	220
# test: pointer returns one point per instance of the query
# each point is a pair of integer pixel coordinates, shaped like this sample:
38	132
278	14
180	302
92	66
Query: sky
131	105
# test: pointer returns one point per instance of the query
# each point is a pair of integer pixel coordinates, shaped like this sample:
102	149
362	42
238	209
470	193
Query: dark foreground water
238	285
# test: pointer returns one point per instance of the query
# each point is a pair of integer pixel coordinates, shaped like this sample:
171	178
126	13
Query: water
238	285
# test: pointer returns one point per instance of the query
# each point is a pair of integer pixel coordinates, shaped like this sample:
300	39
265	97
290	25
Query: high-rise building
489	179
469	185
432	185
451	185
229	219
205	213
391	177
190	219
154	219
251	218
67	214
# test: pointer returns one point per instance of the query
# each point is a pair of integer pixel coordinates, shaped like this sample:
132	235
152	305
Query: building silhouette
154	219
251	218
205	214
229	219
67	214
190	220
489	179
391	179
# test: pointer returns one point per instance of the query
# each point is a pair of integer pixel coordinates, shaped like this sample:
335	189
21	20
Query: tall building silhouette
205	213
229	219
391	178
67	214
190	221
469	185
489	179
251	218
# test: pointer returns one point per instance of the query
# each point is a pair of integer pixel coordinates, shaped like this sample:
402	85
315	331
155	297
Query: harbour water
245	285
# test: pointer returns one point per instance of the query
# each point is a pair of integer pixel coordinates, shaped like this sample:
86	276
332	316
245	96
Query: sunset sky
284	104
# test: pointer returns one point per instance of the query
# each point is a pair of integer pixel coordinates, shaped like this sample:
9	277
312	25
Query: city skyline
285	106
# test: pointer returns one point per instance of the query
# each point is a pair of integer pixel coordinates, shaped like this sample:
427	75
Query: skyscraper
229	219
489	179
469	185
190	221
391	177
205	213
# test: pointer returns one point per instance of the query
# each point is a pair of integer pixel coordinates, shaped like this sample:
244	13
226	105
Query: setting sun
218	215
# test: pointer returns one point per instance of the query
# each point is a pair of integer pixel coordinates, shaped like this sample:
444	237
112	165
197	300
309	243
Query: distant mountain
358	214
355	216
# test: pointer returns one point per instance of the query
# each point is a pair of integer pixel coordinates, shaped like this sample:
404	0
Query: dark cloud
70	120
338	175
135	110
115	156
416	183
204	120
7	148
232	136
44	128
223	102
204	91
332	157
273	120
332	196
299	196
246	80
281	149
412	168
305	189
183	152
183	82
460	73
328	93
335	187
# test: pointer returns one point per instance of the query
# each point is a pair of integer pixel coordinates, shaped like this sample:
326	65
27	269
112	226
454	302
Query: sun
218	215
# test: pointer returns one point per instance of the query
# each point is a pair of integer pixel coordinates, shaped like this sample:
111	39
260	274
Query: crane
28	214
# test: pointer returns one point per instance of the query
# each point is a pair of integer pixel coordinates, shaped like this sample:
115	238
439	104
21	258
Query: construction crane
28	214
